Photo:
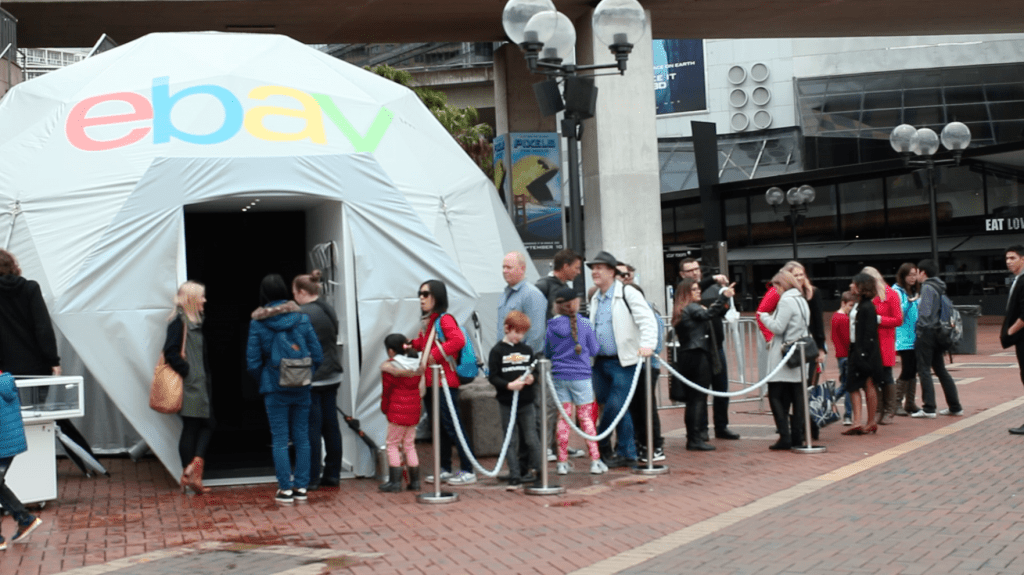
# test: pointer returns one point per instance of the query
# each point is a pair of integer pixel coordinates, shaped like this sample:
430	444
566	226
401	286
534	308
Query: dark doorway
230	252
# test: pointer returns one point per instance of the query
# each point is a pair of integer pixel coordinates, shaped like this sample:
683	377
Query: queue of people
292	353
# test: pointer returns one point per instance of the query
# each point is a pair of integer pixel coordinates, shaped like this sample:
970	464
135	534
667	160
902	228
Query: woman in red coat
444	350
400	400
890	317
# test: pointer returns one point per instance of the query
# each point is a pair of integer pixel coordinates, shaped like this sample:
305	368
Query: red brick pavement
957	510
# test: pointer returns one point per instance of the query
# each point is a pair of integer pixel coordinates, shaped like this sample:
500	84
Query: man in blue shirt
523	296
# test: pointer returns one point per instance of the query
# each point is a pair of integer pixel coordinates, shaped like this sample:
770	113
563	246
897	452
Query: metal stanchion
437	496
544	488
650	469
806	447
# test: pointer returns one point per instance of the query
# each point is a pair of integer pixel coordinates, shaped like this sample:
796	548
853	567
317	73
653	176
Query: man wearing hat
626	334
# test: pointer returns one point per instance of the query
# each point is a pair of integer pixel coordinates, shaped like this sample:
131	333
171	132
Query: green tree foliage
462	123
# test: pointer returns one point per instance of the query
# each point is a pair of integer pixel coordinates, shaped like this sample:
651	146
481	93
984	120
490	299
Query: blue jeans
8	500
611	386
288	412
323	422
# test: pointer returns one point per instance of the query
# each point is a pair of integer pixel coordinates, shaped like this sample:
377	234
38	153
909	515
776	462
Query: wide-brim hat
603	258
565	294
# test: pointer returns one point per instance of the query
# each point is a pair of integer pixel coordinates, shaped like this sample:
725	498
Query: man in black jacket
1013	323
929	357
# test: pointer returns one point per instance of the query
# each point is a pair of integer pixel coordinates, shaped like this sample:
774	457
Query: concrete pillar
515	106
621	183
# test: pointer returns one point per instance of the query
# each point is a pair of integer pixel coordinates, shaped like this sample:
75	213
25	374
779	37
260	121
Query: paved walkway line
634	557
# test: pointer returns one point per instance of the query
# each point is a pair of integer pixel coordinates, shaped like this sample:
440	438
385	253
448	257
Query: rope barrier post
650	469
806	447
437	496
543	488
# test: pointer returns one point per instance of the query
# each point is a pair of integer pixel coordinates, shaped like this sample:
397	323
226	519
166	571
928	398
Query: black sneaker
284	496
300	494
25	530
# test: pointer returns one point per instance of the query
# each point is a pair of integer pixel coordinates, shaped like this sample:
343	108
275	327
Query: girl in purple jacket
570	344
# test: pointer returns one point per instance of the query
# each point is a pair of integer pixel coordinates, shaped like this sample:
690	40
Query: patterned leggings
586	415
402	437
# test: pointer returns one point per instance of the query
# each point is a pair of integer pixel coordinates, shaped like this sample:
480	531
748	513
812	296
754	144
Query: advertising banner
535	159
679	82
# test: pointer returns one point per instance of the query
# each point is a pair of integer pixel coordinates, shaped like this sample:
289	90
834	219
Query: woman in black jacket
697	355
865	362
185	333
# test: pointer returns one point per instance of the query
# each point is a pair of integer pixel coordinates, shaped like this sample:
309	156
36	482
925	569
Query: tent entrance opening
230	252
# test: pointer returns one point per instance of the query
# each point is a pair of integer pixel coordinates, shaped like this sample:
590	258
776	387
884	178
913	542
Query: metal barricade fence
745	357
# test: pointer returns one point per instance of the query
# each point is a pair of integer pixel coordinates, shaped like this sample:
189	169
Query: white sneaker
953	413
445	476
563	468
597	467
922	413
462	478
552	456
576	453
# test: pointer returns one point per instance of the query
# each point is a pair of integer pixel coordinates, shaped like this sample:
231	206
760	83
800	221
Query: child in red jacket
400	400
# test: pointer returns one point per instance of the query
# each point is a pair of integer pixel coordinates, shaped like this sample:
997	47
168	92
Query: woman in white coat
789	322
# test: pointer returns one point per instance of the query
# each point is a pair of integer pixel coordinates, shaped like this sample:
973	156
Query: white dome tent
101	163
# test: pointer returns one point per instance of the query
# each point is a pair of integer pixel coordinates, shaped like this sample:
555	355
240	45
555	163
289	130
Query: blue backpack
467	368
295	364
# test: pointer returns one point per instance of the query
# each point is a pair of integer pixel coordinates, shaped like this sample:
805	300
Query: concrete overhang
67	23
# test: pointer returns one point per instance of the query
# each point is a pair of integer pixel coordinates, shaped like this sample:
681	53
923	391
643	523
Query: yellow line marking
666	543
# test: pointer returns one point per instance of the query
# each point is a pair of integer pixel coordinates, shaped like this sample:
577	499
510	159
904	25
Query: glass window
930	97
843	103
959	196
968	113
862	209
922	116
908	205
1002	92
1005	196
892	99
736	229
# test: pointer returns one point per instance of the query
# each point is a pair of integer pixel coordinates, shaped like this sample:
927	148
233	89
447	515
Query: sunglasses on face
424	294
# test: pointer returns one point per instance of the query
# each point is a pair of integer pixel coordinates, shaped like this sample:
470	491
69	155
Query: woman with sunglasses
447	344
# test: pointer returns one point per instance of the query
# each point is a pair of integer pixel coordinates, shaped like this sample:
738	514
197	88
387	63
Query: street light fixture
909	141
548	38
798	200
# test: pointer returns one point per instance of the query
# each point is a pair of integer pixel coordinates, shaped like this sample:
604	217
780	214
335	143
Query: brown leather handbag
167	388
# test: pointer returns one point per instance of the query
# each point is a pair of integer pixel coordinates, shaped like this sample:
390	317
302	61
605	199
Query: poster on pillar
679	79
535	159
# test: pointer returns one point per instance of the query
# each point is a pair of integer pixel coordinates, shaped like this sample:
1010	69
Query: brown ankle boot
195	479
888	407
901	392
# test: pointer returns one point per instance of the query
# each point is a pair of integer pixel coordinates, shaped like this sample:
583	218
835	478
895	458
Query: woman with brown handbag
185	351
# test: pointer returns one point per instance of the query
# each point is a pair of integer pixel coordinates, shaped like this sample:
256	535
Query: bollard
437	496
544	488
806	447
651	468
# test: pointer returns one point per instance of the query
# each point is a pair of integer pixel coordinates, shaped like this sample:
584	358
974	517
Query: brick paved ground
923	495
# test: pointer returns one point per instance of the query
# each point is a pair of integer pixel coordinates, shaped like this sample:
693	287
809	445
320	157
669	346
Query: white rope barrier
572	424
508	432
753	387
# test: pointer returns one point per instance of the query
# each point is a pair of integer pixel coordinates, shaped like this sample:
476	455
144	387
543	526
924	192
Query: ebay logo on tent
158	109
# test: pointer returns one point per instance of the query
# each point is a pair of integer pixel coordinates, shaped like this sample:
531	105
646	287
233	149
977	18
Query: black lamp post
798	199
910	141
547	38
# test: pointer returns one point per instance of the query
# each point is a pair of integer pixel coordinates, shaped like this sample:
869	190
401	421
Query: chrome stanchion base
811	449
652	470
541	490
437	497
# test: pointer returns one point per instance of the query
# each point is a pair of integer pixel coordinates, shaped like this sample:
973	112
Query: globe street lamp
909	141
798	200
548	39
